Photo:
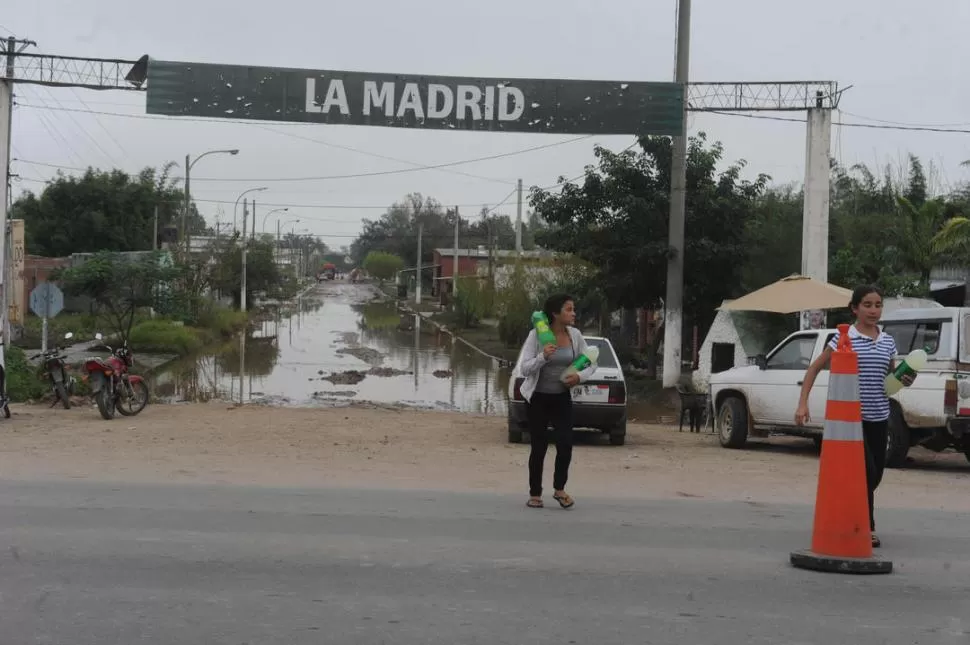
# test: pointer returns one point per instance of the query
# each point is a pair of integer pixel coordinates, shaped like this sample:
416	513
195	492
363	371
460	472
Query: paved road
86	564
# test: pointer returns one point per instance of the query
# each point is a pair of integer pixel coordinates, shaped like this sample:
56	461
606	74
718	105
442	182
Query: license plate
592	393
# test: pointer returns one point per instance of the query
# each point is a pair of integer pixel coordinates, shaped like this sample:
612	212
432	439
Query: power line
232	201
872	126
379	173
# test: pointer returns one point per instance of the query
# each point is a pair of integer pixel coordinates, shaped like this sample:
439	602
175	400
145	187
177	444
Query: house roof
482	253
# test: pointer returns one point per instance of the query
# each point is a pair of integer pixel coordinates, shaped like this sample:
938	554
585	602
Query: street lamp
241	195
189	162
275	210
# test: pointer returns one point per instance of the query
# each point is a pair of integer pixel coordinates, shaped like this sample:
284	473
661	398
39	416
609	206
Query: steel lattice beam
73	71
785	96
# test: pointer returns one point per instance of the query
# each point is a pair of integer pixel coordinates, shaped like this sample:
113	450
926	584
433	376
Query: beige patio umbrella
791	295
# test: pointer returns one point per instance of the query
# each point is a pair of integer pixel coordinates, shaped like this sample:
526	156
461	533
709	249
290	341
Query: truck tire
732	422
897	445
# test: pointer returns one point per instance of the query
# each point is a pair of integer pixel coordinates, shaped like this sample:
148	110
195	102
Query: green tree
120	285
616	220
102	210
262	273
382	266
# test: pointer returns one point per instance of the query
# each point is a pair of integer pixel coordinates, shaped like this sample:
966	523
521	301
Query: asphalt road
86	564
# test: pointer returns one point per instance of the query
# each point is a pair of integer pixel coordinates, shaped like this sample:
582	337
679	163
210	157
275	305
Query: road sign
46	300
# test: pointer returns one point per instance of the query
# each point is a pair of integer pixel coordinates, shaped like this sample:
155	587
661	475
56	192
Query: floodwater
369	351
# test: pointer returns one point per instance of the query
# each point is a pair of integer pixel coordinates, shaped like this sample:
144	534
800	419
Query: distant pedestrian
549	399
876	351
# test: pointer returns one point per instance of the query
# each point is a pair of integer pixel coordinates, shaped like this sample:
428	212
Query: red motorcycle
112	386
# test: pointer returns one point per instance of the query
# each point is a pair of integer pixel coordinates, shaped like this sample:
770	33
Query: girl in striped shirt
876	351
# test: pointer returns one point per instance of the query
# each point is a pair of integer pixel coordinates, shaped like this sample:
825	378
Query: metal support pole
674	302
6	115
245	243
253	234
417	289
454	269
518	222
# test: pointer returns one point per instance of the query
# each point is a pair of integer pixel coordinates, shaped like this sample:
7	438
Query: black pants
542	410
875	435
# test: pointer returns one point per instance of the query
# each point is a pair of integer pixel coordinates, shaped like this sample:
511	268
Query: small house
735	339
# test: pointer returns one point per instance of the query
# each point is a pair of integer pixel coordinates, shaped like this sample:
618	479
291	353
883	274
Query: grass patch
165	337
23	382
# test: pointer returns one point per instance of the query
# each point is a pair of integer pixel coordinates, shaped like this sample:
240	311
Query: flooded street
341	342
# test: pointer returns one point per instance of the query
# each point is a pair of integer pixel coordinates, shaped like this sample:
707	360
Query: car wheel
515	433
618	434
732	423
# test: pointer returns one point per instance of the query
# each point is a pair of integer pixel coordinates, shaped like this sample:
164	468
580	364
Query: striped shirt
875	356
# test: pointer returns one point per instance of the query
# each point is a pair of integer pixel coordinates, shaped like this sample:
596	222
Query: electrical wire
872	126
380	173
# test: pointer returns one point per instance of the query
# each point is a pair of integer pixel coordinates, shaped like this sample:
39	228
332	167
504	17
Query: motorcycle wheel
106	403
132	405
62	395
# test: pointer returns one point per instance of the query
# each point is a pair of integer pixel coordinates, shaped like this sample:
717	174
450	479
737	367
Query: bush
475	300
164	337
23	383
220	322
516	303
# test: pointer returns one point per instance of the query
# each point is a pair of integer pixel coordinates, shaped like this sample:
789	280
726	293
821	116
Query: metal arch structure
817	98
76	71
780	96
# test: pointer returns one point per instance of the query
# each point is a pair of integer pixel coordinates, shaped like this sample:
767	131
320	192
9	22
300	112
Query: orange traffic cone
841	538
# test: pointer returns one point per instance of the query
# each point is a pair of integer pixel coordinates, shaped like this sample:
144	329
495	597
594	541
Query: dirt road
376	447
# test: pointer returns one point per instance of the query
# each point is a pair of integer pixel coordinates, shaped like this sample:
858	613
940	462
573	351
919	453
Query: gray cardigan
535	359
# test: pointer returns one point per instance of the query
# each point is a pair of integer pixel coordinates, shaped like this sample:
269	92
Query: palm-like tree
919	239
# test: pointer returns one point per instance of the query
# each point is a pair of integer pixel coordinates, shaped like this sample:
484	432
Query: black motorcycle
55	371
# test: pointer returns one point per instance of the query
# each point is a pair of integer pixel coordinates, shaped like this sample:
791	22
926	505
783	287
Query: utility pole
674	302
242	293
187	205
155	231
518	223
454	270
253	235
417	288
10	48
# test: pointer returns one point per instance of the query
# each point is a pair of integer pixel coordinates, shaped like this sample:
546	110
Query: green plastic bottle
909	365
541	323
584	360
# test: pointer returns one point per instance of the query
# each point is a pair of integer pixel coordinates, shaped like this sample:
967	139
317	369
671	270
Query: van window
915	334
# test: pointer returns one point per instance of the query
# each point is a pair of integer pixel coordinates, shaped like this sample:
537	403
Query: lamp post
189	162
241	195
276	210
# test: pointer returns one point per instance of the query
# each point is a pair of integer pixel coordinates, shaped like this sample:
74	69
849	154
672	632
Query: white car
598	404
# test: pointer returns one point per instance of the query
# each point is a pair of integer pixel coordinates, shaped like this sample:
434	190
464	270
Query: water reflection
292	349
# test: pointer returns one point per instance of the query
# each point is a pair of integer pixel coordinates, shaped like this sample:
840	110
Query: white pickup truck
934	412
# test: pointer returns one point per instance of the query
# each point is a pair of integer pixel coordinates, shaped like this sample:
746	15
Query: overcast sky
905	61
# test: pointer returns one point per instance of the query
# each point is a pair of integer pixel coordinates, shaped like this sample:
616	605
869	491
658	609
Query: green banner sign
414	101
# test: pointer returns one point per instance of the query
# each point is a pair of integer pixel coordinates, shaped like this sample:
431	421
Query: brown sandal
564	500
535	502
